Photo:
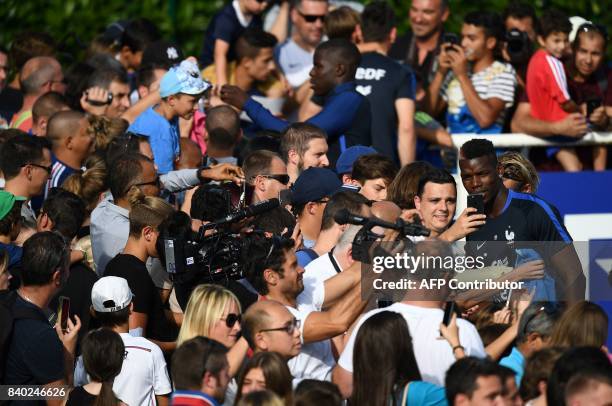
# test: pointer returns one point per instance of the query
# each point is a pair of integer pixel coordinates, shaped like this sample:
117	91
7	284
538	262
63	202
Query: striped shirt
59	173
496	81
546	87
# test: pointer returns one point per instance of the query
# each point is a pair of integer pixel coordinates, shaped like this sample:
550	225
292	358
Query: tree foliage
75	22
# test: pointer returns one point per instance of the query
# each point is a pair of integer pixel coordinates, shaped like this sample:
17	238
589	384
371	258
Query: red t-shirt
546	87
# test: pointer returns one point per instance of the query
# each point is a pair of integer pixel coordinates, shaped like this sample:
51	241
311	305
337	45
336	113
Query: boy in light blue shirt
180	89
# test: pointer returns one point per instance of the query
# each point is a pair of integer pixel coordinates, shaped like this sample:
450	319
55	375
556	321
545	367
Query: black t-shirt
526	220
224	26
406	51
382	81
146	296
36	354
11	101
78	289
80	397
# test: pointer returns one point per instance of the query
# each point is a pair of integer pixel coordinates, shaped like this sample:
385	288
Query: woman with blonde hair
583	324
214	312
519	174
104	130
90	186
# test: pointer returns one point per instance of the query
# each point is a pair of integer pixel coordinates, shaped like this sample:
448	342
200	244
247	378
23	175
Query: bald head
191	155
223	117
387	211
39	74
64	124
259	316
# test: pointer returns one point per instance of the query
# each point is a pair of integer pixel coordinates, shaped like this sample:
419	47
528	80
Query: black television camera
211	255
519	47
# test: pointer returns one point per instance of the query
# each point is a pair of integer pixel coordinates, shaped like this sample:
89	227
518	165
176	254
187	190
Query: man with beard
303	146
272	268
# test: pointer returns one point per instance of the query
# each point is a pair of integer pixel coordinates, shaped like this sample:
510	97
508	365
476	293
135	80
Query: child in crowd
546	81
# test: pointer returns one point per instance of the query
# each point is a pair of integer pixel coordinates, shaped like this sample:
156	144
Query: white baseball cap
110	294
576	22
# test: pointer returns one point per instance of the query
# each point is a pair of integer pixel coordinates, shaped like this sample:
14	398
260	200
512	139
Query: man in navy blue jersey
520	217
346	114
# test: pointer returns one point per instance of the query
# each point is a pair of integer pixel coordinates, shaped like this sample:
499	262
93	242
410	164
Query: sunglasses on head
232	319
311	18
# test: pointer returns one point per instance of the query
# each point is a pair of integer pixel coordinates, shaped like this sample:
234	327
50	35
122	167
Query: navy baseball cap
349	156
314	184
161	54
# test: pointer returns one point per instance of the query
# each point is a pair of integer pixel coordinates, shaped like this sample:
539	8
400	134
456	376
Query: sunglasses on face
156	182
284	179
232	319
311	18
46	168
288	328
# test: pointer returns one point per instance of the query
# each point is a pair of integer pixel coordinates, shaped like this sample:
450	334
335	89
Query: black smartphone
284	196
592	104
450	38
476	201
63	312
449	309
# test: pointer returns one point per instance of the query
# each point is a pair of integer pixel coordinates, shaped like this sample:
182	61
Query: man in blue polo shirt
345	116
180	89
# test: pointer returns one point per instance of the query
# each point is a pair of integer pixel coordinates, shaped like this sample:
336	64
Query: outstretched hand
234	96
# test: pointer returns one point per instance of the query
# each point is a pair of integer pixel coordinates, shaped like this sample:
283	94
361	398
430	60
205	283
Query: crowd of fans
171	227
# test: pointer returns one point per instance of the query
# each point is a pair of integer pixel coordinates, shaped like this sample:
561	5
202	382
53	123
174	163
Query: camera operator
520	22
589	82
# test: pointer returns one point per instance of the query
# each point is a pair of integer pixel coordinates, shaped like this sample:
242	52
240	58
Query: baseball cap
7	201
314	184
161	54
184	78
110	294
114	32
349	156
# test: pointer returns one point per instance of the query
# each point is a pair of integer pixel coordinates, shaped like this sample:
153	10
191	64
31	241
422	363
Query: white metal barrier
520	140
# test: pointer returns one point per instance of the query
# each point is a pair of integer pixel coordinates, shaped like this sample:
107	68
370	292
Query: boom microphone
249	211
344	216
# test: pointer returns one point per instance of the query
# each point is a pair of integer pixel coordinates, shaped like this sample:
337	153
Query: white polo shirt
143	373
